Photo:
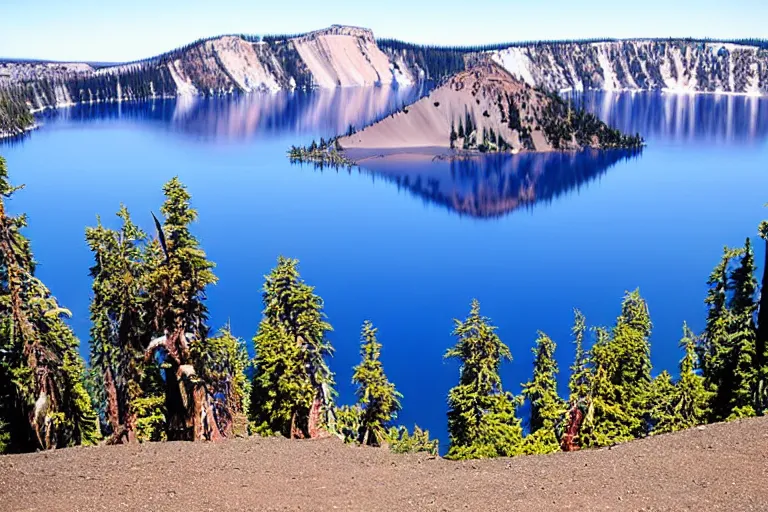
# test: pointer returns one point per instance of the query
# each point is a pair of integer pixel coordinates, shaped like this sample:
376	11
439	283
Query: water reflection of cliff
495	185
711	118
325	111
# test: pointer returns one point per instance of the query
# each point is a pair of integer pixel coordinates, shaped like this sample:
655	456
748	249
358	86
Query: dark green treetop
481	417
377	397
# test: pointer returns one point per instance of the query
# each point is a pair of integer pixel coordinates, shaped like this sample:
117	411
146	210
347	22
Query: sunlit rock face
675	65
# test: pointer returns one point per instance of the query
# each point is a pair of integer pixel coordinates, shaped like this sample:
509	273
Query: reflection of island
322	111
718	119
498	184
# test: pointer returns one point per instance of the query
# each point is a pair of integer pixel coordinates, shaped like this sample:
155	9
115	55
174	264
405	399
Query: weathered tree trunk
113	414
314	422
569	441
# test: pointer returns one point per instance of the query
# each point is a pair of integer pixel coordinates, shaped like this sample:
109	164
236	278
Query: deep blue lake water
409	245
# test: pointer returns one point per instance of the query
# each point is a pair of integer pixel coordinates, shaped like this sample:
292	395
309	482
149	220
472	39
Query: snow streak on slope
682	66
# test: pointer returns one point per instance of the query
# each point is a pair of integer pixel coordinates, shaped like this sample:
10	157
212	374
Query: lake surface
408	245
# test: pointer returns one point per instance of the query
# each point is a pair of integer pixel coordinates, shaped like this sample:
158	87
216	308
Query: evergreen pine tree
761	342
43	400
292	390
714	348
742	334
546	405
622	378
175	287
481	417
579	382
684	404
119	333
377	397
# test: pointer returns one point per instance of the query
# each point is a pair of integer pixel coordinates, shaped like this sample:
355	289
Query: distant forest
441	61
148	78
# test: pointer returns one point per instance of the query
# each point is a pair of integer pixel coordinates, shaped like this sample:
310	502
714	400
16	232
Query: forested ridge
159	371
158	76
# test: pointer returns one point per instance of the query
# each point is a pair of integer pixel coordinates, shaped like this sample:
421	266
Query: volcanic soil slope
717	467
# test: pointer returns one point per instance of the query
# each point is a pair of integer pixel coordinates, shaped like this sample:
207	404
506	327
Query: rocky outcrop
487	109
676	65
338	56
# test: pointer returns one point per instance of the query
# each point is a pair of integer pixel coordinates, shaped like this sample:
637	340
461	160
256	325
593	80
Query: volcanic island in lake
483	109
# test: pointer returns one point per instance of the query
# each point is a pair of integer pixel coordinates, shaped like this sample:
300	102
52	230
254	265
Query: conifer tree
175	286
714	348
684	404
546	405
692	397
761	343
661	402
742	334
292	390
377	397
579	382
481	417
401	441
43	400
622	377
119	334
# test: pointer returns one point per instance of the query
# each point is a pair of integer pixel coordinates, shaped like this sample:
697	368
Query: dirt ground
718	467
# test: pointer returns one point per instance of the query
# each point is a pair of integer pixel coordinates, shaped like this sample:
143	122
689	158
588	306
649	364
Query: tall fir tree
377	397
175	285
684	404
546	405
119	335
622	377
742	335
579	382
761	342
292	391
43	400
481	416
714	347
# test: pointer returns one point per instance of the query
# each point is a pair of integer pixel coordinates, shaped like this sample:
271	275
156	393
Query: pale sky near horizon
94	30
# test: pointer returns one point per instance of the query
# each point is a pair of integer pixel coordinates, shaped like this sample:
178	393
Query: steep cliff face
338	56
347	56
682	65
335	57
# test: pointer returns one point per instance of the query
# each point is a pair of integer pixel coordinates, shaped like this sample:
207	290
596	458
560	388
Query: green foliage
292	391
481	417
622	380
43	401
761	340
348	423
119	330
377	397
221	362
730	363
546	405
742	332
150	418
662	404
401	441
579	383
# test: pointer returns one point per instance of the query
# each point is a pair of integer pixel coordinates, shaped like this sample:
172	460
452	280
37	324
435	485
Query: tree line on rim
157	372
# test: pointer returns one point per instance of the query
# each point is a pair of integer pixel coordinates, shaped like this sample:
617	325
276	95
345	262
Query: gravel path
719	467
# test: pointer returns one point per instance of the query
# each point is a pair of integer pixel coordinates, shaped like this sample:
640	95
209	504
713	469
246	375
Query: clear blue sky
133	29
